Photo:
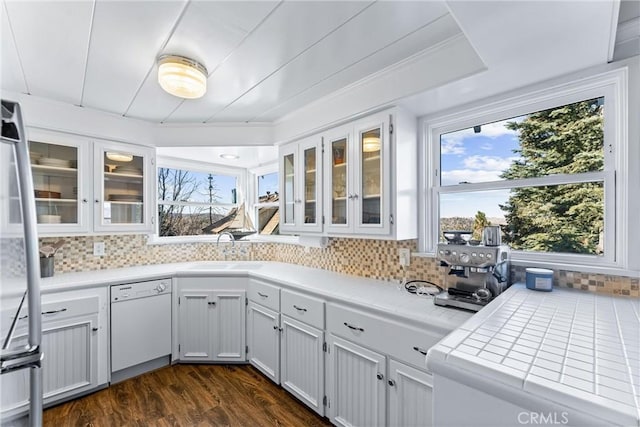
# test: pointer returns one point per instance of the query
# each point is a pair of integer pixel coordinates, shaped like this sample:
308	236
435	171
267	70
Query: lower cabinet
302	362
410	396
355	384
263	340
74	336
212	325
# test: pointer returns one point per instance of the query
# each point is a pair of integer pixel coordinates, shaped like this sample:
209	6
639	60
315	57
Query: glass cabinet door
122	187
371	176
310	186
55	181
288	188
339	180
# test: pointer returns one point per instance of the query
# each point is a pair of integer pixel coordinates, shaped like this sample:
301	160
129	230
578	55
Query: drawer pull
392	383
355	328
263	295
44	313
419	350
54	311
299	308
211	303
380	376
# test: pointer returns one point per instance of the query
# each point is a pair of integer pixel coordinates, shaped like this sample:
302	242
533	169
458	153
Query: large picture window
543	172
192	202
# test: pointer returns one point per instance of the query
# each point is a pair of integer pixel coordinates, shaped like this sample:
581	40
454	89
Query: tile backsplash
359	257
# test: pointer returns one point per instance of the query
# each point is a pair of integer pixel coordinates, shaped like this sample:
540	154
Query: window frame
253	195
203	167
613	86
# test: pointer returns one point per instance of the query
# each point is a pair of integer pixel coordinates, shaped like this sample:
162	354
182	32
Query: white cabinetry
211	317
120	199
397	353
301	186
410	396
74	343
369	172
60	168
122	187
355	383
285	337
263	340
302	346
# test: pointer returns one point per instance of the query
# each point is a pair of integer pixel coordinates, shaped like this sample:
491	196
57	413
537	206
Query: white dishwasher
140	327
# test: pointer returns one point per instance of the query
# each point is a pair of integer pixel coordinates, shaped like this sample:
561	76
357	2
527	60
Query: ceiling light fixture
370	144
119	157
182	77
230	156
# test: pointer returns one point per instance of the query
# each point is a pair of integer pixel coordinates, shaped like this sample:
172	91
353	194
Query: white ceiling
265	58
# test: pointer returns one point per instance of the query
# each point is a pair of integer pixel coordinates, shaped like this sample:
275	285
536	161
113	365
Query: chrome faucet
233	239
233	243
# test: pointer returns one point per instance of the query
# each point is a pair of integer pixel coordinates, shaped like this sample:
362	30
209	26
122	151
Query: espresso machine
475	276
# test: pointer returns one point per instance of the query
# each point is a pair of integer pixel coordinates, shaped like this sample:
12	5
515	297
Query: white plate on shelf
49	219
124	198
128	170
59	163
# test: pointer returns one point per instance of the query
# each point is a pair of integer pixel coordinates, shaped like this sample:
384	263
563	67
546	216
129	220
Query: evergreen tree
479	223
565	218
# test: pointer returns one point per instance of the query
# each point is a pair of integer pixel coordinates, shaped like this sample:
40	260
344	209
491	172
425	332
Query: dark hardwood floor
188	395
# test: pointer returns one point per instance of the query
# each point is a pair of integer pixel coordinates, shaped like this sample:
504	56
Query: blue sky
223	186
472	157
268	182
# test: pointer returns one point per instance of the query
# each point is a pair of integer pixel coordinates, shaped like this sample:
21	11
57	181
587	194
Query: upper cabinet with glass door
122	199
371	177
58	165
301	186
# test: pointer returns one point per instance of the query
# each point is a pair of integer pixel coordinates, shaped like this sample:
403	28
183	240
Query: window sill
593	269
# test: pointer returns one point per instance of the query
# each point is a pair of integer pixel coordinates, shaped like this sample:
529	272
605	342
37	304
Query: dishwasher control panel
140	290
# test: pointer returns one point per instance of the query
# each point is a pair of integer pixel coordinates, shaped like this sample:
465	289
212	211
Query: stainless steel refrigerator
21	354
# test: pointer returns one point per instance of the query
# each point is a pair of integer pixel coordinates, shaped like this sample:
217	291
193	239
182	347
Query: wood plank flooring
188	395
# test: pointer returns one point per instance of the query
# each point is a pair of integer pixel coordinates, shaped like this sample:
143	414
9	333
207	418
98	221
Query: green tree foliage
565	218
479	223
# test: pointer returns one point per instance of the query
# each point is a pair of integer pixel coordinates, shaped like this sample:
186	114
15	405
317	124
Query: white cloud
490	163
490	130
457	176
486	146
451	146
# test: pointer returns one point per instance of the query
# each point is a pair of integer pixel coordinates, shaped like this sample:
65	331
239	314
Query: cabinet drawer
304	308
265	294
400	341
55	310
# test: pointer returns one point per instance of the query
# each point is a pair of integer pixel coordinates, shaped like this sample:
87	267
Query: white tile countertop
573	348
373	295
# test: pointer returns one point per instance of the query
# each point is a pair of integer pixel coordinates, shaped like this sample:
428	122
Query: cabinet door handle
263	295
392	383
97	201
355	197
355	328
84	200
212	303
275	327
94	329
299	308
419	350
380	376
54	311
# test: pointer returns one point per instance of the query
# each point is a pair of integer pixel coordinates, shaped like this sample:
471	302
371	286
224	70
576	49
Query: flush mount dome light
119	157
182	77
370	144
230	156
